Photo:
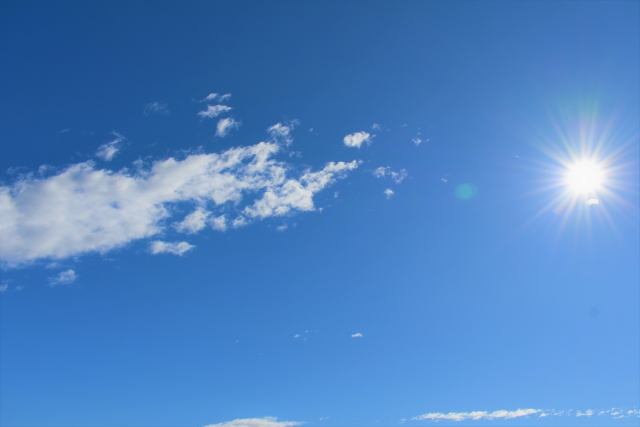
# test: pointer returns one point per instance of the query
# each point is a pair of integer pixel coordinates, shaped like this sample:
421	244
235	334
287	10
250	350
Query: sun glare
585	177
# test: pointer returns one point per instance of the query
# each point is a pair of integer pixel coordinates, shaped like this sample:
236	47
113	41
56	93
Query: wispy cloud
257	422
388	192
84	209
356	335
216	97
214	111
477	415
176	248
194	222
375	127
387	171
63	278
356	139
219	223
4	287
592	202
518	413
108	151
155	108
416	141
281	133
226	125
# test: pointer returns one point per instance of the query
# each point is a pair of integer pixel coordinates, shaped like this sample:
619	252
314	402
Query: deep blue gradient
481	304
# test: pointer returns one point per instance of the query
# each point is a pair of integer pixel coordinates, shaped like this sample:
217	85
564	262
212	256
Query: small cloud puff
225	125
63	278
281	133
215	97
416	141
282	227
356	139
388	192
178	248
592	202
256	422
387	171
155	108
193	222
4	287
356	335
213	111
219	223
375	126
108	151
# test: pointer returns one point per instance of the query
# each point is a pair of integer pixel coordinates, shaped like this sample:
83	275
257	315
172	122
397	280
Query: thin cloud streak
109	150
257	422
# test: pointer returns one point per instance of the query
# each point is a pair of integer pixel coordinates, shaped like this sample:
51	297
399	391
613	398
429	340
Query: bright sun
584	177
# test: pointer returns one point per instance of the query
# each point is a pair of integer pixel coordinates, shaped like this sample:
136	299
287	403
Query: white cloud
281	133
387	171
215	97
356	139
177	248
388	192
84	209
110	149
416	141
213	111
375	126
4	287
502	414
155	108
477	415
63	278
225	125
592	202
356	335
297	336
282	227
194	222
297	194
219	223
257	422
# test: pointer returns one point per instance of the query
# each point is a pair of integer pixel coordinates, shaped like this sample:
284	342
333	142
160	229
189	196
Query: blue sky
269	214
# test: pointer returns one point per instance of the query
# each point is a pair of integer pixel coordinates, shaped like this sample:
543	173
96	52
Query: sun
584	177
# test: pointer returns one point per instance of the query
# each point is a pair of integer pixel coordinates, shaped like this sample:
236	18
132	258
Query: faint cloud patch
214	111
592	201
257	422
63	278
216	97
357	335
226	125
388	192
177	248
383	171
108	151
155	108
476	415
281	133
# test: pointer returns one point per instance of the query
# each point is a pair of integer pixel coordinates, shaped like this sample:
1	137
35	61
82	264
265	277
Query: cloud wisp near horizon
502	414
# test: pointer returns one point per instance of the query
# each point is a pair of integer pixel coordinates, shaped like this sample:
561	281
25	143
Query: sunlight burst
585	177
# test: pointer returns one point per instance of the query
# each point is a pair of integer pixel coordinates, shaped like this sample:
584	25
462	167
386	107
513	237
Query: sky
273	214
